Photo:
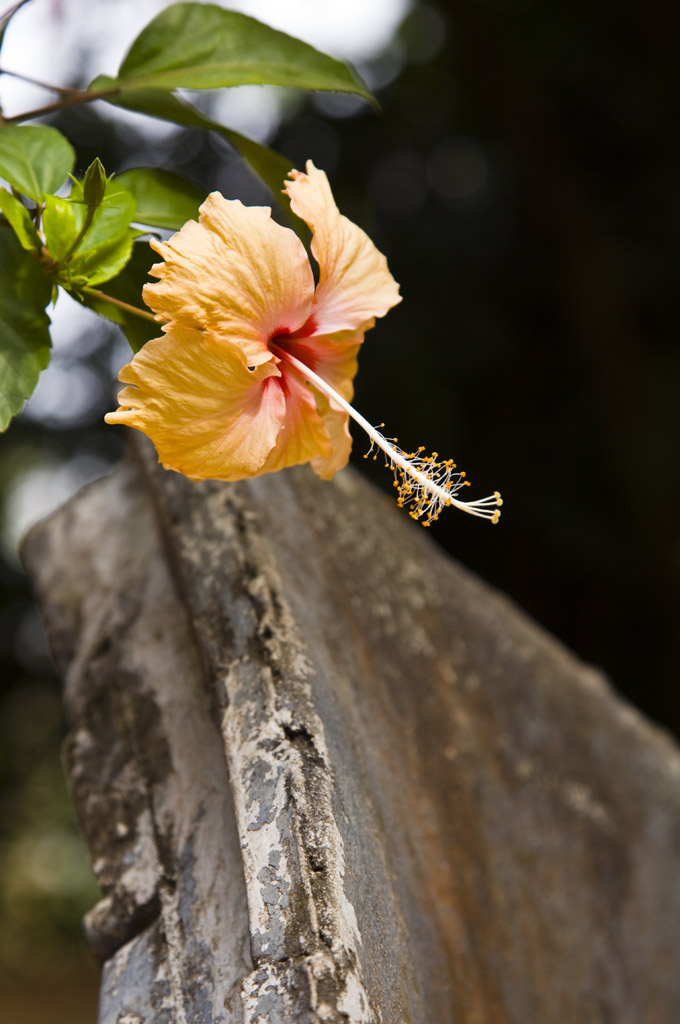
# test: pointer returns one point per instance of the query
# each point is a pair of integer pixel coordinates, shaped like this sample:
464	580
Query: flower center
282	335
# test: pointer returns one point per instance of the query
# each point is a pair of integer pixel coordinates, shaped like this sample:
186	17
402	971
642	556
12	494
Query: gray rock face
326	775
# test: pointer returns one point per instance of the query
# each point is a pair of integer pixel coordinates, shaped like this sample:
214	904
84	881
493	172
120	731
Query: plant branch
119	302
66	90
67	101
9	13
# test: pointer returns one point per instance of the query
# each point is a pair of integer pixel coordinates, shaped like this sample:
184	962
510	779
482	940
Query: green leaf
105	261
111	218
61	222
24	325
268	165
164	200
35	159
105	246
202	46
127	286
20	221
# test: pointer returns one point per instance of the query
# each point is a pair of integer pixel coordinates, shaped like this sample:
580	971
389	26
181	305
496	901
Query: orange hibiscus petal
355	284
209	416
236	273
304	435
337	425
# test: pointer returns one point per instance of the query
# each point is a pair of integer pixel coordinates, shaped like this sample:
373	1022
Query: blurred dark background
522	179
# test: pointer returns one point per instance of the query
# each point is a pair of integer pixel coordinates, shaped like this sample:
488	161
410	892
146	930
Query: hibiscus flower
255	367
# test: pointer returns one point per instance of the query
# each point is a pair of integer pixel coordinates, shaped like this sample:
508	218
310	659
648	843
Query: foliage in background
92	236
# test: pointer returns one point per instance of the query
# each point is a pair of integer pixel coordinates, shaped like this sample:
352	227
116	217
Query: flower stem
143	313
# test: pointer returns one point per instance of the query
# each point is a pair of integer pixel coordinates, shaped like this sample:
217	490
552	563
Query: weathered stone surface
432	811
145	763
